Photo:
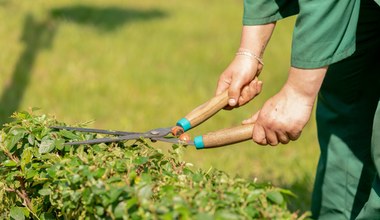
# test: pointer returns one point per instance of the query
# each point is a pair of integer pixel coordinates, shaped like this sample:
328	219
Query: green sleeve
267	11
324	32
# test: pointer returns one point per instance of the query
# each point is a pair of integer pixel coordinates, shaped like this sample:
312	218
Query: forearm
256	37
306	82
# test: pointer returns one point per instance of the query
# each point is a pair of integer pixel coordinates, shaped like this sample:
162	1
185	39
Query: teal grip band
198	142
184	123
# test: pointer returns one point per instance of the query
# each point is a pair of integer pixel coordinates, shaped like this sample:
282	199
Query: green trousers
347	184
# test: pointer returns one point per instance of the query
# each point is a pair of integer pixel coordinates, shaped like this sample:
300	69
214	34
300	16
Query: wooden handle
224	137
204	111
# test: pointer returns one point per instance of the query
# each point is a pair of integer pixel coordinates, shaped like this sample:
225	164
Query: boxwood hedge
41	178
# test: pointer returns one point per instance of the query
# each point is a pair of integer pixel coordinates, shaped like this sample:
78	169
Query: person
335	62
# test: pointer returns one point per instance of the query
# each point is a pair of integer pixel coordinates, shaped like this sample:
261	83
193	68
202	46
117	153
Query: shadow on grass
106	19
39	35
35	36
4	2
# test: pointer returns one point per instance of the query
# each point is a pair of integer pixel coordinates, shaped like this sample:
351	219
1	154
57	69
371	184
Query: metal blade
105	140
155	133
93	130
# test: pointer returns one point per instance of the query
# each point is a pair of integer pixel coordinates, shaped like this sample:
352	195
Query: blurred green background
137	65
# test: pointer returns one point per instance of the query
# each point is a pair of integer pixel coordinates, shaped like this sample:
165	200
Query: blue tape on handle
198	142
184	123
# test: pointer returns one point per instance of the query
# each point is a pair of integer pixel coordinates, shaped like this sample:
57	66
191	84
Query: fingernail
232	102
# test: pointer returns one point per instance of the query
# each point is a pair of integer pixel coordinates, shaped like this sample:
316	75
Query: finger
258	135
245	96
282	137
259	87
251	120
259	69
234	91
271	137
250	91
294	135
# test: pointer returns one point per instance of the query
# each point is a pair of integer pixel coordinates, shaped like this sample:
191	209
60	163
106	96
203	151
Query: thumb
252	119
234	91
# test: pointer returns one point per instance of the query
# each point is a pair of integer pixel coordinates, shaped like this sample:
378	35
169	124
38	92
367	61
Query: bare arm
284	115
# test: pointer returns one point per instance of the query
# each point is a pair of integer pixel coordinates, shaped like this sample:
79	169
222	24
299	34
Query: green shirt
324	32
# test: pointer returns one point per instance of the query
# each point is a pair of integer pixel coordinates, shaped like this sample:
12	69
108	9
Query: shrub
41	178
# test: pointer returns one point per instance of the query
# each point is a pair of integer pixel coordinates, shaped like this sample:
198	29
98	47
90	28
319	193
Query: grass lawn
137	65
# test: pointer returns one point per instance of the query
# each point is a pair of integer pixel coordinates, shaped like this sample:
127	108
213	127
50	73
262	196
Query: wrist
250	54
255	38
306	82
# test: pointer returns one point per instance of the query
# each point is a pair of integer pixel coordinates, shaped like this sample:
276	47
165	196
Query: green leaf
30	173
145	192
87	195
288	193
68	134
76	178
18	131
99	172
276	197
44	192
17	213
120	210
132	203
100	211
203	216
27	155
47	216
31	139
43	133
59	144
226	214
10	163
13	141
114	194
46	146
197	177
52	171
140	160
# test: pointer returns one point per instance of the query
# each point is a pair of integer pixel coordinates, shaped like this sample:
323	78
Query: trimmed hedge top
41	178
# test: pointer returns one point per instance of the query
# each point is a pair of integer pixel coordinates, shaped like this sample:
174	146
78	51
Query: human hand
283	117
240	79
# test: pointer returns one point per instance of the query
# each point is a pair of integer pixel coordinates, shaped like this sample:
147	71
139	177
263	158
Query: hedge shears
173	134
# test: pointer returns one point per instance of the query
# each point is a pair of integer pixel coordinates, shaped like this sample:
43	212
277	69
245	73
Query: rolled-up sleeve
258	12
324	33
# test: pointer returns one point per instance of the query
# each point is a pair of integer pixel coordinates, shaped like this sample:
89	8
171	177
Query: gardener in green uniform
335	55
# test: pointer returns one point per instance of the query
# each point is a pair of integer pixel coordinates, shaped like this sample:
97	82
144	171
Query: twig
5	150
23	192
26	201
